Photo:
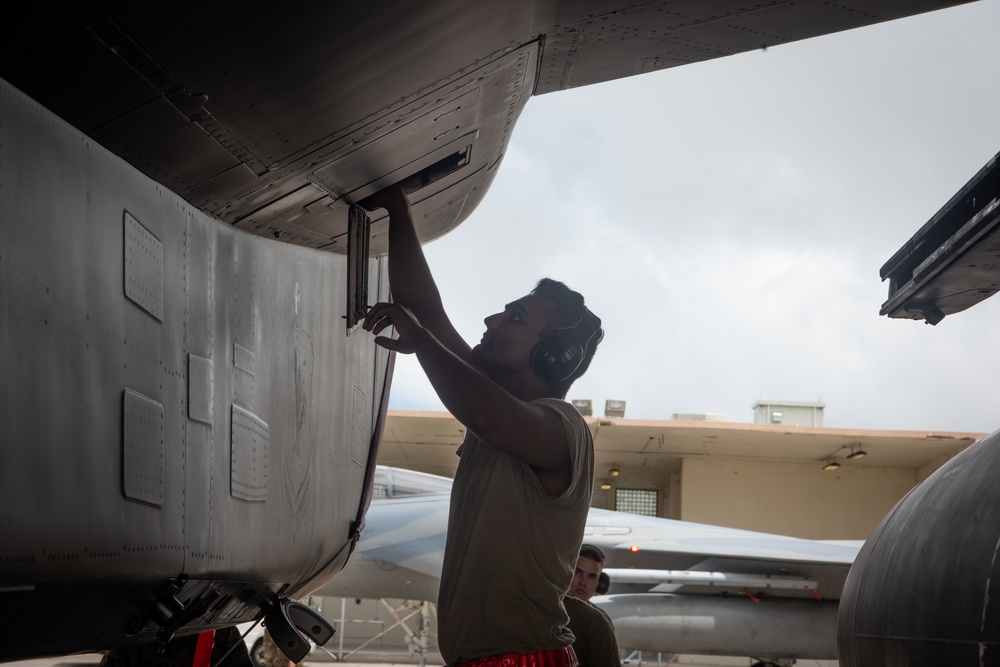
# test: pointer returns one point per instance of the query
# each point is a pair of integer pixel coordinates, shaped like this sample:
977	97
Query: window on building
636	501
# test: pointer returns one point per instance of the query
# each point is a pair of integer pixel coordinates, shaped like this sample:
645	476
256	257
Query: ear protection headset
557	356
603	584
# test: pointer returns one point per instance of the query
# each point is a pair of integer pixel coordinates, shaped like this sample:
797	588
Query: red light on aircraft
634	548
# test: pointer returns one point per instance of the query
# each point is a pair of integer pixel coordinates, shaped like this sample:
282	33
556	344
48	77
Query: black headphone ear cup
603	584
556	357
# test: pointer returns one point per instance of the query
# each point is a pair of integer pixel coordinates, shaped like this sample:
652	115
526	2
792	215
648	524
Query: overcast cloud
727	221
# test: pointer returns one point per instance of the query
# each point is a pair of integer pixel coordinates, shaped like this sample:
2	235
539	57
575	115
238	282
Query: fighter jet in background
676	586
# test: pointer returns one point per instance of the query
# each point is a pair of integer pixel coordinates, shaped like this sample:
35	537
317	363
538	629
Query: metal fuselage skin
187	420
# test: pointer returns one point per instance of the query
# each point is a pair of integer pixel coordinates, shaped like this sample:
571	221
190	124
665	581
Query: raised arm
520	428
491	393
410	279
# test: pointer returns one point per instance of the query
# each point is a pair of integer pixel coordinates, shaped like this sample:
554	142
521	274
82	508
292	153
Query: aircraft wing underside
273	121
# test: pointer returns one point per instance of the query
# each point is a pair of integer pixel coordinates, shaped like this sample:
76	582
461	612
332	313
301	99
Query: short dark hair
569	312
593	553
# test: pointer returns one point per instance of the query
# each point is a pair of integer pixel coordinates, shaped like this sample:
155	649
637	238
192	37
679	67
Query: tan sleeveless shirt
511	549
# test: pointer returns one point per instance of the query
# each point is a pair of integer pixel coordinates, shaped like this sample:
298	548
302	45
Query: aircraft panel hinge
287	618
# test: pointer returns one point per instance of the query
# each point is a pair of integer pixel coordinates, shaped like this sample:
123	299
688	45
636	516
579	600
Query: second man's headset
559	355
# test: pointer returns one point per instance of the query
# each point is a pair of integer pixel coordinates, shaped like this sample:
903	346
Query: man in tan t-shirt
524	482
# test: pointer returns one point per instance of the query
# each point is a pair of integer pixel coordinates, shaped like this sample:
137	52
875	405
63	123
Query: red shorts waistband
564	657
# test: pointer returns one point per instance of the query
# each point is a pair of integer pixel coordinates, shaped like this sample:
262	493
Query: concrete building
804	481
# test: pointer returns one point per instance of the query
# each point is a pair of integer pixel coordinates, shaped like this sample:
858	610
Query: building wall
640	479
795	499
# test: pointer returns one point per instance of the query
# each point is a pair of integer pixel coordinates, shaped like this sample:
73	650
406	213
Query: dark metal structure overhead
274	120
953	261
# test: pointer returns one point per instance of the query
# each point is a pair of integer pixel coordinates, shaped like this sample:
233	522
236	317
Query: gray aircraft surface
951	263
924	590
676	586
189	419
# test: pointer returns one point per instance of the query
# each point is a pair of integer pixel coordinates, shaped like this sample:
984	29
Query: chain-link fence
387	630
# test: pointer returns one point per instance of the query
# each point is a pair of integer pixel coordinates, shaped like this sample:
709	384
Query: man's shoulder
577	608
564	408
557	403
600	611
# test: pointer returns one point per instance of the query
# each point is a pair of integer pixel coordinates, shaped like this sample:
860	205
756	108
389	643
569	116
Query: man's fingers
381	325
387	343
384	315
389	198
376	314
394	344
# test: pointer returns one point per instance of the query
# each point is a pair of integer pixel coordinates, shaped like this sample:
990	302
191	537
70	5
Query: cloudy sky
727	221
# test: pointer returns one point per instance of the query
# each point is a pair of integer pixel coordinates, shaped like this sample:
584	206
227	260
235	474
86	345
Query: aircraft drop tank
715	625
925	588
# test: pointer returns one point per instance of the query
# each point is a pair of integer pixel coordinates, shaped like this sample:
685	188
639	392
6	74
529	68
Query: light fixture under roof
613	408
614	472
831	465
860	453
605	486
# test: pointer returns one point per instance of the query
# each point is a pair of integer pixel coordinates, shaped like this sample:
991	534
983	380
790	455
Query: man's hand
408	329
392	199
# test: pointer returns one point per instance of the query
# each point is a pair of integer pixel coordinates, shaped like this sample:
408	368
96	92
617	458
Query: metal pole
424	623
343	627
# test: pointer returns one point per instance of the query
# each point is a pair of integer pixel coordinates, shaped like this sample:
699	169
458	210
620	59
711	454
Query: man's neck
527	387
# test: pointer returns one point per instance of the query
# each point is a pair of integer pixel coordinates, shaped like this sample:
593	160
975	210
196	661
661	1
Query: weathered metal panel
201	389
142	474
143	267
118	441
249	457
